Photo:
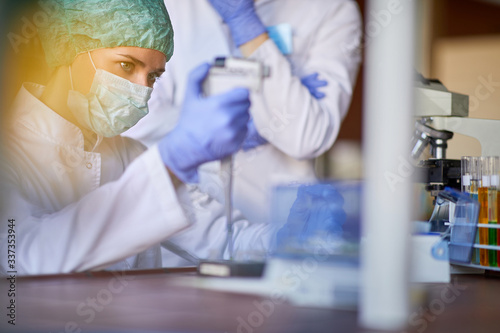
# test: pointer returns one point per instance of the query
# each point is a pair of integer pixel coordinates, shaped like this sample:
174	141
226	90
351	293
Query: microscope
436	105
439	114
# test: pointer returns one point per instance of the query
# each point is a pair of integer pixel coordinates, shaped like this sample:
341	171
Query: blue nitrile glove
209	128
316	213
253	138
312	83
241	18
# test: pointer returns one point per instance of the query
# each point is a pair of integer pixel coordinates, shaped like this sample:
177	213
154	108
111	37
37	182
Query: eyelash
123	64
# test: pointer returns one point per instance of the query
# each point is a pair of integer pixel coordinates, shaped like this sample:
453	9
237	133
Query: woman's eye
127	66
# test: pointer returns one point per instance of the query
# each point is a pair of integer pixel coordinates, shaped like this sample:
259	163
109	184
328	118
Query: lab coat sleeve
286	114
109	224
206	237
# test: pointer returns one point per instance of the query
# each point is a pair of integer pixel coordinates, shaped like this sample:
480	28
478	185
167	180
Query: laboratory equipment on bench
227	73
460	213
434	101
481	181
439	114
319	266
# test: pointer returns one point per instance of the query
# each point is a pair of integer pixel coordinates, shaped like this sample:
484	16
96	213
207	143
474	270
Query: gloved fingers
229	144
237	133
234	96
313	81
340	217
318	217
238	120
298	216
326	213
229	138
322	219
195	80
241	135
317	83
220	150
235	104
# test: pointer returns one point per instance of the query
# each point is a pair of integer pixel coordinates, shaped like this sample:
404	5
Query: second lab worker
295	120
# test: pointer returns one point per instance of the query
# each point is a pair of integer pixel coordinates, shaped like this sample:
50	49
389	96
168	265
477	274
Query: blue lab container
461	235
321	219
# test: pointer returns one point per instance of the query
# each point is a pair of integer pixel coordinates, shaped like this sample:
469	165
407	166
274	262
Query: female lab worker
306	44
76	195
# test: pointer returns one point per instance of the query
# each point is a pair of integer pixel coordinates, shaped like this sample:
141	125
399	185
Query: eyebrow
159	70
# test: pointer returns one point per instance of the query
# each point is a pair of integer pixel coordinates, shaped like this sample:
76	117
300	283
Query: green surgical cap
78	26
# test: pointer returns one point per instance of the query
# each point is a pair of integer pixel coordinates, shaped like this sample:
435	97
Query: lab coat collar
30	112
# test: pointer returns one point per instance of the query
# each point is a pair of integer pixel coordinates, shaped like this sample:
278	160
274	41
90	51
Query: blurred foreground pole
387	128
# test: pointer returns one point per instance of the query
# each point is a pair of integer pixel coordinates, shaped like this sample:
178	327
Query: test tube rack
480	178
475	247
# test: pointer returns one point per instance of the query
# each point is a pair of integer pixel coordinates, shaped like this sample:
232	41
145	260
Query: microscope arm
486	131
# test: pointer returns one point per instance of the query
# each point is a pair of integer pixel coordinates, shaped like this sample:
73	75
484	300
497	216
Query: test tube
493	164
475	176
475	183
466	163
482	197
495	179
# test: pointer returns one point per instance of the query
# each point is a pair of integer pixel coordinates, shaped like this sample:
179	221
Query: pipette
224	75
227	172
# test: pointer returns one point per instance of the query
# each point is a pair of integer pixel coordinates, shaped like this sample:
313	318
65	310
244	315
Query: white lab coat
76	210
326	37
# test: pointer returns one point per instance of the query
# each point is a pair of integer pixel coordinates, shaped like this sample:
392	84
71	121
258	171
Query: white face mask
112	106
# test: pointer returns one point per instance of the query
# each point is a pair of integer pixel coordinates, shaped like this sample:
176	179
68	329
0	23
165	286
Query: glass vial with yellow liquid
482	195
471	182
494	163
